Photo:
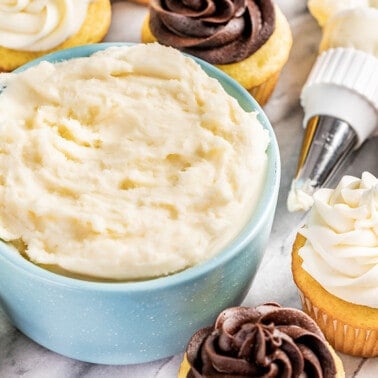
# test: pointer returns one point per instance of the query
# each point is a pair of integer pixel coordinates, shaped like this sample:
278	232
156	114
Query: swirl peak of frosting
220	32
266	341
341	249
39	25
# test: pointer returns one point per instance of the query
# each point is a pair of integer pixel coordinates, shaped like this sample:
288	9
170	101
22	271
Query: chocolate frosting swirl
266	341
218	31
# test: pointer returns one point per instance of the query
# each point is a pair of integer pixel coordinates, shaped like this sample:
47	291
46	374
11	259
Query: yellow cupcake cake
31	28
265	341
250	41
335	265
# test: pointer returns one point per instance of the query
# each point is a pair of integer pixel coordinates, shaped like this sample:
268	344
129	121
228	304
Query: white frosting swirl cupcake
32	28
37	25
341	251
335	264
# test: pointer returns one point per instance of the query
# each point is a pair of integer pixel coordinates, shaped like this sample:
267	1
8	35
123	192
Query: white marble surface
21	357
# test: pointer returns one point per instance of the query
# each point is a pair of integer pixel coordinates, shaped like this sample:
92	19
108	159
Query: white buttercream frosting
39	25
356	28
347	23
341	249
299	199
129	164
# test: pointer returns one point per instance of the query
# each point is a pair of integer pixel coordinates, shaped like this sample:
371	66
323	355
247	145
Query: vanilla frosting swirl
267	341
220	32
39	25
341	250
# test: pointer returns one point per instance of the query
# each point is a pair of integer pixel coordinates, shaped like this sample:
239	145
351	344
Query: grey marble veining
21	357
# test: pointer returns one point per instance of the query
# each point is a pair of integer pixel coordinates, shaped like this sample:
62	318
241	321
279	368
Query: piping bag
340	102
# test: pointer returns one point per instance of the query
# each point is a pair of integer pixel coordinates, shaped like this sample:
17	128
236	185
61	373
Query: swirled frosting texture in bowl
219	32
267	341
39	25
129	164
341	249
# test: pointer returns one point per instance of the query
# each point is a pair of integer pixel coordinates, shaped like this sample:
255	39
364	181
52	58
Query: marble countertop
21	357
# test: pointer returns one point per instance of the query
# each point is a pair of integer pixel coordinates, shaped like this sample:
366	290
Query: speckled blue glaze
126	323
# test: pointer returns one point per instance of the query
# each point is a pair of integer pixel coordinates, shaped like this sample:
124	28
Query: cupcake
34	28
335	264
266	341
249	40
347	23
323	10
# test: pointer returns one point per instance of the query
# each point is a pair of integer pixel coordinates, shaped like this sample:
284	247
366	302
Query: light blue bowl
126	323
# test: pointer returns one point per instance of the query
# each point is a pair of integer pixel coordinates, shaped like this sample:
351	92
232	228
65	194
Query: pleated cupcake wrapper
343	337
261	93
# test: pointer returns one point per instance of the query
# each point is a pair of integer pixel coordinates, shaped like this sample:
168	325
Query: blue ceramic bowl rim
267	202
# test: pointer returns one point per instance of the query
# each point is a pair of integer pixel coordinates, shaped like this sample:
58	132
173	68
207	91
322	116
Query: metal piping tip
327	142
340	105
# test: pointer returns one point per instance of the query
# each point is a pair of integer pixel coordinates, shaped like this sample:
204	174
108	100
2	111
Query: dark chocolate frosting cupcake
220	32
266	341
